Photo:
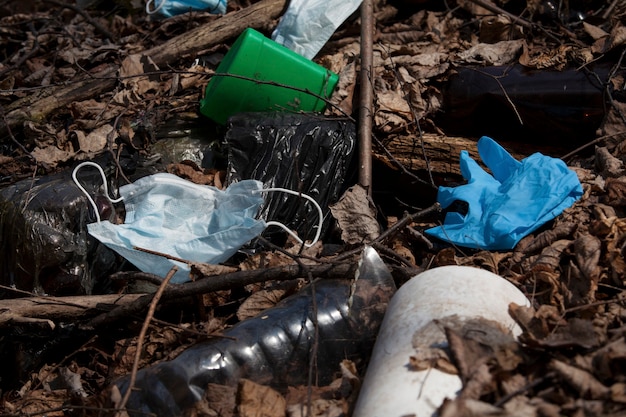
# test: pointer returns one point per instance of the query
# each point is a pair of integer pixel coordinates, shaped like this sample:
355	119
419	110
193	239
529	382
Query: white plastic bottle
390	388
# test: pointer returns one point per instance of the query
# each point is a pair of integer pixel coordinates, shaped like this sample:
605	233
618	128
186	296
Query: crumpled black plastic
44	244
308	153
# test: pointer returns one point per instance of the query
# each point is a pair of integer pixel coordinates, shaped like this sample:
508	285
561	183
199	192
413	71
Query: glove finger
497	159
471	171
479	183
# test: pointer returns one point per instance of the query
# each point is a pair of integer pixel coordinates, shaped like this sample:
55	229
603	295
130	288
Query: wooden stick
367	96
48	309
344	269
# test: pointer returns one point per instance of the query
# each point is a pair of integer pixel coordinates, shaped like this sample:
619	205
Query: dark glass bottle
514	103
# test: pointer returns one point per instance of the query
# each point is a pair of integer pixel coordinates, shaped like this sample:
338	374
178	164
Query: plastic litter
44	244
305	152
275	347
169	8
257	74
307	25
188	221
460	293
504	207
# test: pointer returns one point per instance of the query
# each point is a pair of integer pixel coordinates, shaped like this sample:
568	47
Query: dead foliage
571	357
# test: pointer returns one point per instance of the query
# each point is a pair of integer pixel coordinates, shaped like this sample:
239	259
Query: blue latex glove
504	207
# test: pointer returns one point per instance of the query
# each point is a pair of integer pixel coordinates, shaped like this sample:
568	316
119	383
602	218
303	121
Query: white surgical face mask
191	222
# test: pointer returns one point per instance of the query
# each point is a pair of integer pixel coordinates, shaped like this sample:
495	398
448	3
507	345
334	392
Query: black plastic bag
307	153
44	244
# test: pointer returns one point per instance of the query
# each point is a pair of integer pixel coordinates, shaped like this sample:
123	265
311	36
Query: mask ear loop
288	230
156	9
104	182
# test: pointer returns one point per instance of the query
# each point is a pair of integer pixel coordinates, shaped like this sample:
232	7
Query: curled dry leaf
356	216
608	166
549	330
582	381
587	252
616	191
551	256
562	231
614	249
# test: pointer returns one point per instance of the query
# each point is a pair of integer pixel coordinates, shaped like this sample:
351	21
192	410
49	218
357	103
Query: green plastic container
259	58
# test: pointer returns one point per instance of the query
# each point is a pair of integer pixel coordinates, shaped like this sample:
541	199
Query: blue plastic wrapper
504	207
169	8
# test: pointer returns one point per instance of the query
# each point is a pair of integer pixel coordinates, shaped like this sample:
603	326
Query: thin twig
591	143
416	119
142	335
406	220
610	9
522	22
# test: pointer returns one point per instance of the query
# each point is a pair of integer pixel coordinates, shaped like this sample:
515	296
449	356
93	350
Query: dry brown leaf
613	124
189	170
501	53
487	260
498	28
562	231
594	31
356	216
255	400
616	191
218	401
95	141
616	39
577	289
446	256
607	164
587	252
478	341
131	70
551	256
582	381
575	333
607	361
429	343
259	302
